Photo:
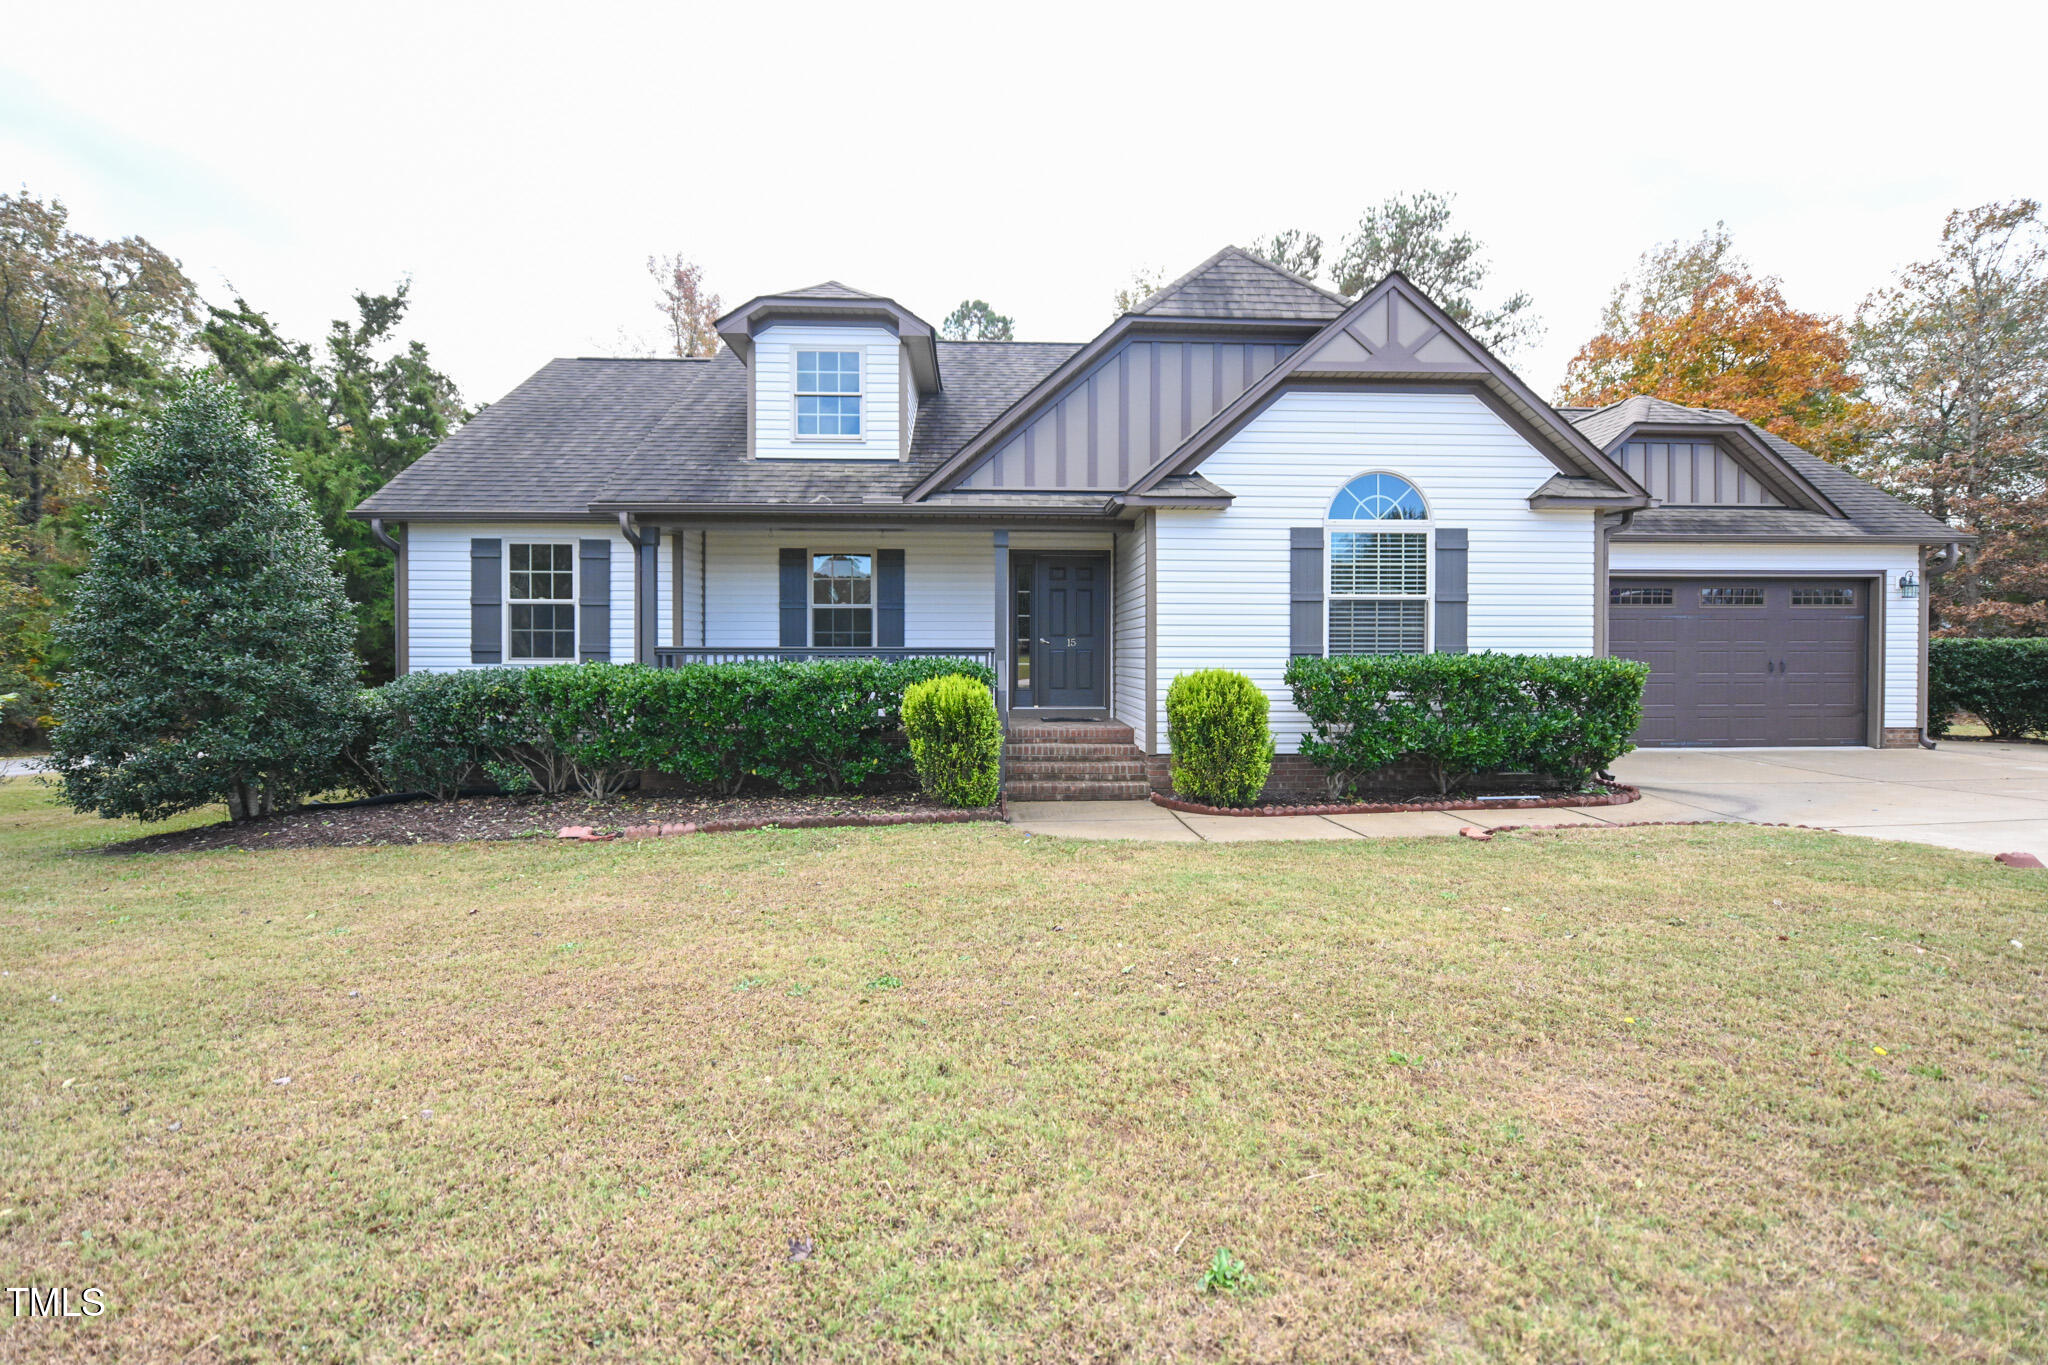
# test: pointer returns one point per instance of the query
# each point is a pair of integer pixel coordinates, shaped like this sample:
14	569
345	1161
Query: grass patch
939	1090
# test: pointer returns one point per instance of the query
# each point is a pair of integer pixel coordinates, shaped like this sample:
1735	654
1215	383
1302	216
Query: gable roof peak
1233	283
830	289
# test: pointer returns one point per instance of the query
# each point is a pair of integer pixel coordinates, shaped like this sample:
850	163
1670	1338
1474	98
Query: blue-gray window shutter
486	601
1451	555
889	599
594	601
1305	590
795	575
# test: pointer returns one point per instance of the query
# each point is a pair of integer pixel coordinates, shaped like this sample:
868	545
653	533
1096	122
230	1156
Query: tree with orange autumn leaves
1693	324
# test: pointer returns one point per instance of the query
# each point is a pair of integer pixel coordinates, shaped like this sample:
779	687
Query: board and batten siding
1126	414
1901	617
1130	573
437	607
1222	593
774	367
948	582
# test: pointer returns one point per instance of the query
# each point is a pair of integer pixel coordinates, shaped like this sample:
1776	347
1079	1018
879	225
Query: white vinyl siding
1129	572
1223	582
1901	615
437	605
948	582
774	372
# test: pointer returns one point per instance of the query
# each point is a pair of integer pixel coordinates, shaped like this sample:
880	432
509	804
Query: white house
1242	469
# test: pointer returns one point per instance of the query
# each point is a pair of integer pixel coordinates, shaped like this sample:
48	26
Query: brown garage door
1737	661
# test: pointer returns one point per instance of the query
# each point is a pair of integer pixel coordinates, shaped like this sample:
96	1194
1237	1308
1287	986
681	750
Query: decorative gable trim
1395	334
1762	463
1079	366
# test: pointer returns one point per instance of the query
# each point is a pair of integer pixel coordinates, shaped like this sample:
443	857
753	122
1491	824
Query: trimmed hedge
810	726
2004	683
956	739
1465	714
1216	727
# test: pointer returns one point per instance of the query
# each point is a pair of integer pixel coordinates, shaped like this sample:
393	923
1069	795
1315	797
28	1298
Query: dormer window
828	396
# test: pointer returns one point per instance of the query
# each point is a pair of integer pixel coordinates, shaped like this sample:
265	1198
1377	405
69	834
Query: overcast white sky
520	161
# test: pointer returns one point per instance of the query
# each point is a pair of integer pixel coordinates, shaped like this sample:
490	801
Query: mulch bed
1616	794
529	817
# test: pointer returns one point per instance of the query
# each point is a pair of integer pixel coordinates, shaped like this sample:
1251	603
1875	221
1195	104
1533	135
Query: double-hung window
828	395
1379	567
842	601
540	600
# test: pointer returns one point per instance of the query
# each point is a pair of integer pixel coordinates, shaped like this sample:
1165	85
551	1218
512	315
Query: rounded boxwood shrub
1222	746
956	739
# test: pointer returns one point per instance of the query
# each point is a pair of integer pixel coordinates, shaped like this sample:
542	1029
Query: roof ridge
1172	287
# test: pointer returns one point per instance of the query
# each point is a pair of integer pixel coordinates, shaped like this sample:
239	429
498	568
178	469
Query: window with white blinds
1379	592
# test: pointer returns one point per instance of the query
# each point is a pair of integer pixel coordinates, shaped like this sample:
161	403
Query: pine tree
210	641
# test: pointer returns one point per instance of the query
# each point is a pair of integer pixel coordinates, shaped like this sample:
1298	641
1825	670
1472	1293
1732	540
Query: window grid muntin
540	600
1823	597
1639	597
1742	596
828	394
842	600
1378	497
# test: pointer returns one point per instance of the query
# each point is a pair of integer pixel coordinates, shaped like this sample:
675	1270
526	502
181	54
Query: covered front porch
1058	615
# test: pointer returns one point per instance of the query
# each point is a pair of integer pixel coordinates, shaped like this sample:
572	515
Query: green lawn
1656	1094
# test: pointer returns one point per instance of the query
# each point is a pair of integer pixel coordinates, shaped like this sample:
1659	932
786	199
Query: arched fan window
1379	575
1378	497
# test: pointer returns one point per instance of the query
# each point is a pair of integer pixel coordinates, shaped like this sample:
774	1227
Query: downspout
381	536
1608	523
646	579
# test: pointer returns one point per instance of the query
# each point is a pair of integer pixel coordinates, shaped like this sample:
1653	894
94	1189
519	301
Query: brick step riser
1075	753
1078	772
1062	734
1077	791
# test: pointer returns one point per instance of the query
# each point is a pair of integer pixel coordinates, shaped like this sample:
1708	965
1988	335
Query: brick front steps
1073	760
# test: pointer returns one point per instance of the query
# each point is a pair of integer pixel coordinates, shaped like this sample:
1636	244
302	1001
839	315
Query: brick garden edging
1620	796
586	834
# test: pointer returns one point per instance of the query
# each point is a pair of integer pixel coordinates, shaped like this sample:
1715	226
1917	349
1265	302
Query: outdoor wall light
1909	586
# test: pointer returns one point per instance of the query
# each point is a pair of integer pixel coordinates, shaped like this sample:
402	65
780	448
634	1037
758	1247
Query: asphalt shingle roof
1870	511
549	447
671	432
1236	284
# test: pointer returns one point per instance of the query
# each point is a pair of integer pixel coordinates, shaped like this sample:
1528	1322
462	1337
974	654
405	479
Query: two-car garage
1746	661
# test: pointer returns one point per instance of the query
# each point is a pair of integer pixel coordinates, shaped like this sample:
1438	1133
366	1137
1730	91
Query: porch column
647	594
1002	636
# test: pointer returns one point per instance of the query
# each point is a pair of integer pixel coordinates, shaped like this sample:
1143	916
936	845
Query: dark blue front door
1071	611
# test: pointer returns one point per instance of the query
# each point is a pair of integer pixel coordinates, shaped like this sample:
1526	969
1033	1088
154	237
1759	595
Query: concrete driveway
1985	798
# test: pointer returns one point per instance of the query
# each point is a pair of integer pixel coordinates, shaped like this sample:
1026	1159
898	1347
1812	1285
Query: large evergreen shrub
1465	714
956	739
210	640
2003	683
1216	725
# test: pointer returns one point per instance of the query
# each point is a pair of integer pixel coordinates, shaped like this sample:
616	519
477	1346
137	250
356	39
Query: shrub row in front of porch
823	725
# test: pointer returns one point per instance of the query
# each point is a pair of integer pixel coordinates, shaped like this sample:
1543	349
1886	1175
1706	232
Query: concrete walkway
20	767
1985	798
